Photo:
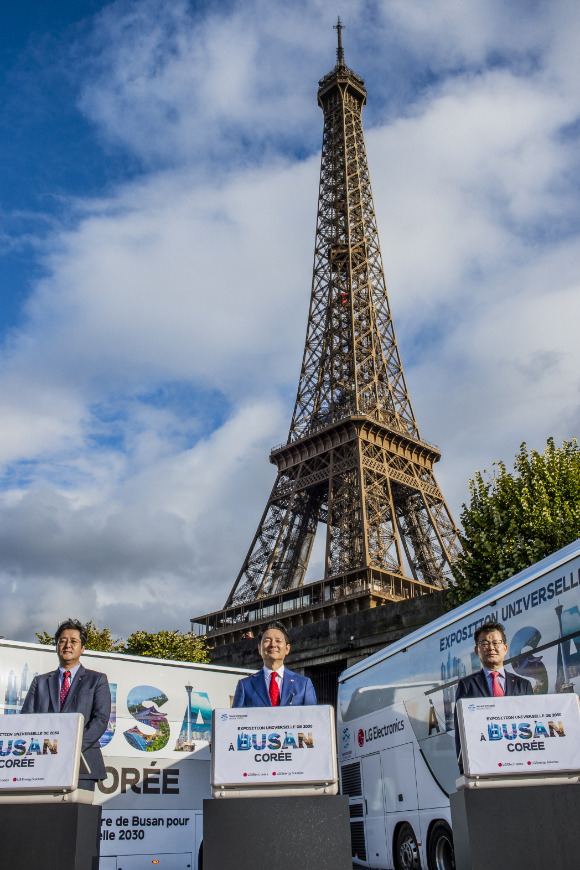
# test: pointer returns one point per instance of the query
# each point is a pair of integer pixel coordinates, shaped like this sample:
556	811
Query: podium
43	811
288	756
516	803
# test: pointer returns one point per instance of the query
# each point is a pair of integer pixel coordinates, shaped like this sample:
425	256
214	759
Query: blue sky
159	169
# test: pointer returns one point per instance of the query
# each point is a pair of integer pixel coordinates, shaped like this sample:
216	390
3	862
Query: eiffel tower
354	462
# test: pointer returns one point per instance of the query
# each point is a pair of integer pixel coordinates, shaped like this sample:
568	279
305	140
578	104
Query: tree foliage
515	519
45	638
171	644
97	638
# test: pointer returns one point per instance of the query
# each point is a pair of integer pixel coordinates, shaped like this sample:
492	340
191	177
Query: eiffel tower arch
354	463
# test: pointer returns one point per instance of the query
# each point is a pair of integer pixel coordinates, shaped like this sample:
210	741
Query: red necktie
498	692
64	688
274	690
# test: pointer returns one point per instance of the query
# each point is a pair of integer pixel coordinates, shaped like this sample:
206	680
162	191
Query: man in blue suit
74	689
491	649
274	685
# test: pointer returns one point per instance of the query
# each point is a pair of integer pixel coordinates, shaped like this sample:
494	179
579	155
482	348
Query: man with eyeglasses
72	688
492	680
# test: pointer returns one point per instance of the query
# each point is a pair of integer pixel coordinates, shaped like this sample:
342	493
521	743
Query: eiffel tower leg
382	535
296	543
429	554
279	554
345	549
362	530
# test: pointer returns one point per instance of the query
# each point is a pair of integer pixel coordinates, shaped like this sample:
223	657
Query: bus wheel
407	850
441	855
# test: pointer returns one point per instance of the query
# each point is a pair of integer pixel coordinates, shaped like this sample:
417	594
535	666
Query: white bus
395	710
156	749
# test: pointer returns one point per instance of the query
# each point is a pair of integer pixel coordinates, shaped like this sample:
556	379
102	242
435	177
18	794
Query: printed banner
268	745
521	734
145	832
40	752
160	709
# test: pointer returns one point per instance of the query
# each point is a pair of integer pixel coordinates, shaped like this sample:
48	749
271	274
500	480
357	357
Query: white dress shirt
268	675
73	673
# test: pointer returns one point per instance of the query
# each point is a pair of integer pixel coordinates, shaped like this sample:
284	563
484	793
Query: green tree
97	638
45	638
171	645
515	519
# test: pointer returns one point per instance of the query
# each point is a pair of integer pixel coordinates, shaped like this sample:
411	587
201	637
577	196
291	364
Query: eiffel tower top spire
341	70
339	51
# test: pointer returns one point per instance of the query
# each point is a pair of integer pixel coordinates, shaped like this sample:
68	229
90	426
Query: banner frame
325	785
38	722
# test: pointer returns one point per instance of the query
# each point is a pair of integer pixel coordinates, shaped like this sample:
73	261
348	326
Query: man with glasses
492	680
74	689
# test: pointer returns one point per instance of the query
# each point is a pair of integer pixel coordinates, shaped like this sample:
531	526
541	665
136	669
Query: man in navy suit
491	649
274	685
82	691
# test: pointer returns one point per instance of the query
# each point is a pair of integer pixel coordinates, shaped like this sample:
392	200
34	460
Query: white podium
519	740
286	754
273	751
40	759
526	742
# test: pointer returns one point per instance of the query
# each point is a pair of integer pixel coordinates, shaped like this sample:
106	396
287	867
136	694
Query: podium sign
40	752
521	734
274	748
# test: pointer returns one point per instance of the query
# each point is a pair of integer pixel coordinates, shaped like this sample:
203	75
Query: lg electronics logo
361	737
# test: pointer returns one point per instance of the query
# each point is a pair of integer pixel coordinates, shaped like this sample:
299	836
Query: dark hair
276	625
74	625
487	628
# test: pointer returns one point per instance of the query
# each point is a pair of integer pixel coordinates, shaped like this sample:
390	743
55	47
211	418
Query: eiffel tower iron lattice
354	460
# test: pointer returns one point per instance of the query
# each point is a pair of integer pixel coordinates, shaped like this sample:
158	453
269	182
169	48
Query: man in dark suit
274	685
492	680
74	689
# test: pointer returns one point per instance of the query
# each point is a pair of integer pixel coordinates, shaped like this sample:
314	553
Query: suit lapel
510	683
260	688
72	692
481	681
54	690
288	687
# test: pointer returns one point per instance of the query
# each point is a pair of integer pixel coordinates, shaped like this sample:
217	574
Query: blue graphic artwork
17	686
143	704
196	721
108	735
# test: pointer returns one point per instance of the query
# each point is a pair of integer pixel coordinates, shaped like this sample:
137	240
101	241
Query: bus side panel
374	810
411	690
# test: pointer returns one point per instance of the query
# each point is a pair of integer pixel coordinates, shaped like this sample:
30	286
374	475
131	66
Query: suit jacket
90	695
476	686
296	691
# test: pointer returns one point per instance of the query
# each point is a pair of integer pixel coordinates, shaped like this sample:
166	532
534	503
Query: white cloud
147	541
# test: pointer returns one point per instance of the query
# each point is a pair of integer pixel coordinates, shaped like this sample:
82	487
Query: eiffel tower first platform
354	463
